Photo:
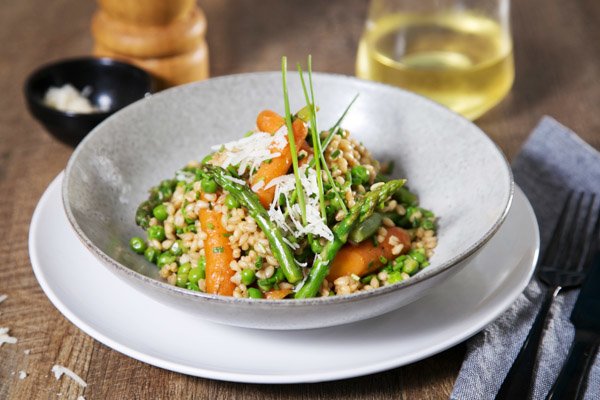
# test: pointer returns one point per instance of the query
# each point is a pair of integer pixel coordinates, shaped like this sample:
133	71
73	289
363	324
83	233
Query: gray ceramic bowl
455	168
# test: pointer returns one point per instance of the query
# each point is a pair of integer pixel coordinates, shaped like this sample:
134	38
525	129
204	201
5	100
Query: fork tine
593	242
570	233
552	252
582	236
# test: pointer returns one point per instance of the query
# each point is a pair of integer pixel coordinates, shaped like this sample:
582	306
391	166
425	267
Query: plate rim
53	189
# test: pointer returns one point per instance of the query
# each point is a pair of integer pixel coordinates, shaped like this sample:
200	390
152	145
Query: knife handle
518	382
571	381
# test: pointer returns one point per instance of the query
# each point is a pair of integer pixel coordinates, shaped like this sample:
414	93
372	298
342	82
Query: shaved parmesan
258	185
294	246
286	185
5	337
236	180
251	151
59	370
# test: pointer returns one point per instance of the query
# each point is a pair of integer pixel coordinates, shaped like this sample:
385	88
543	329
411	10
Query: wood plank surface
558	73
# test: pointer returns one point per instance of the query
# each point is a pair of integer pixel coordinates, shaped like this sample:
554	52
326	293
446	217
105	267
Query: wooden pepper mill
164	37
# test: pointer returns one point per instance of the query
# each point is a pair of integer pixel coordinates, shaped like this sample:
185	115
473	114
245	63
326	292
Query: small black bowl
113	82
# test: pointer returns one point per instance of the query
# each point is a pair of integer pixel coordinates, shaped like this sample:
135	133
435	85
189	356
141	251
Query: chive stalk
336	126
292	140
310	102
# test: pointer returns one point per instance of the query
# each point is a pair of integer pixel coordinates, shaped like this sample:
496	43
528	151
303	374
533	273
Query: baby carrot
218	253
270	122
364	258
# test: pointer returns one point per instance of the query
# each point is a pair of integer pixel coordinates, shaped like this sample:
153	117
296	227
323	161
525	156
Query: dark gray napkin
553	160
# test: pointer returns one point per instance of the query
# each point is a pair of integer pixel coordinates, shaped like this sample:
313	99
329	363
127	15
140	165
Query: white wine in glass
457	55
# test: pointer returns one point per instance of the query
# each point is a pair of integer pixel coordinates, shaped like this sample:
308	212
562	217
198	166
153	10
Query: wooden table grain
558	73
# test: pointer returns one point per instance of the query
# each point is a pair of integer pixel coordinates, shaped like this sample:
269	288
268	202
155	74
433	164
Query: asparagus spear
360	212
249	199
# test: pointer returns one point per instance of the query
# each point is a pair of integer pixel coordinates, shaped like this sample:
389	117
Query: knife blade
585	316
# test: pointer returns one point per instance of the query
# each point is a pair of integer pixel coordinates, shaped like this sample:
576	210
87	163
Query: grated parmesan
251	151
236	180
59	370
285	185
5	337
258	185
67	98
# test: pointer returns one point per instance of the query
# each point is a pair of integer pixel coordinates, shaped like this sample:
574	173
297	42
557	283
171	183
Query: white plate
128	321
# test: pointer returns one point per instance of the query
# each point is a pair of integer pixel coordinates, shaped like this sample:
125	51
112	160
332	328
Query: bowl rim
118	268
104	61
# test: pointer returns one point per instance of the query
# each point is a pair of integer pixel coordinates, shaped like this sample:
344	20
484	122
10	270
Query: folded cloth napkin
553	160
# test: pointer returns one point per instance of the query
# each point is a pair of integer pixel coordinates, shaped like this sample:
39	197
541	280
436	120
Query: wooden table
558	73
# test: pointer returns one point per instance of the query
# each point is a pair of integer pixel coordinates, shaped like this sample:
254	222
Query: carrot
218	254
270	122
364	258
277	294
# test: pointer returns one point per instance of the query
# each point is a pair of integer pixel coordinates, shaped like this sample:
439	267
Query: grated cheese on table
59	370
251	151
5	337
286	185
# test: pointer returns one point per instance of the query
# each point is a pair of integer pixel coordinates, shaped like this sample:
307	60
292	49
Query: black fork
563	266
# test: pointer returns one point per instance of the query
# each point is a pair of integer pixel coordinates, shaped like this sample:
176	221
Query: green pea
418	255
410	266
193	286
209	185
184	268
231	202
395	277
160	212
360	175
177	248
254	293
182	280
156	232
165	258
137	244
151	254
279	275
248	276
194	275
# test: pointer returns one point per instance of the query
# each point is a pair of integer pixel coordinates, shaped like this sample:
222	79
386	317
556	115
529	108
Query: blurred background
553	75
